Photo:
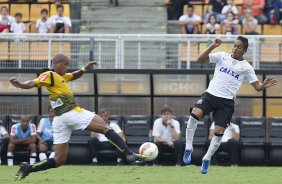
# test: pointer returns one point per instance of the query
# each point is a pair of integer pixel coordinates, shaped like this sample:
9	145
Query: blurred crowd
224	16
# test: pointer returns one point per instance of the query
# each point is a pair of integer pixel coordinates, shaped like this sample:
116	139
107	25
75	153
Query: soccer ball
150	150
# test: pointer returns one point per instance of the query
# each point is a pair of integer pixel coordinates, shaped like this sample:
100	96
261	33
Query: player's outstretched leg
98	125
190	130
61	152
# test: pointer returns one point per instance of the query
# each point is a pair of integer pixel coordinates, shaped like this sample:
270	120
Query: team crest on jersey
200	101
234	62
43	77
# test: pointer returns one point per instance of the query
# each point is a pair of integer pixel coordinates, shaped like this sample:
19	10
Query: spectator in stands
23	137
112	3
166	131
59	23
100	142
45	135
272	11
215	7
189	23
230	24
18	26
249	23
257	7
4	135
212	27
5	20
42	24
230	142
230	7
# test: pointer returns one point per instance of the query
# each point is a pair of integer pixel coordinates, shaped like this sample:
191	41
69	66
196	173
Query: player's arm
32	139
268	82
15	140
24	85
5	137
77	74
204	56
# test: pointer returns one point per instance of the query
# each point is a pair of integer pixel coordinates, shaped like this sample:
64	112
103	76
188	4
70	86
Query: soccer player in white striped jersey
229	73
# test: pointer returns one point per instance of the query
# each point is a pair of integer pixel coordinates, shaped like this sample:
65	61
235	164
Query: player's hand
268	82
170	144
90	65
15	82
216	42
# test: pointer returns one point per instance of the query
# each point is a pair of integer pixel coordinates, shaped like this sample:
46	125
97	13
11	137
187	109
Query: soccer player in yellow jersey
69	116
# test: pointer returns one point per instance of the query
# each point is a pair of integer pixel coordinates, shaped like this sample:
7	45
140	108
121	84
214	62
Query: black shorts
222	108
22	147
49	145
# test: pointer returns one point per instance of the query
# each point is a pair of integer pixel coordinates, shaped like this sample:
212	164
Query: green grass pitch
146	175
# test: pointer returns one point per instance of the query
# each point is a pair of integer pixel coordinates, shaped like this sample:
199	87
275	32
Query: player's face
24	121
238	49
51	113
61	67
105	116
60	11
166	116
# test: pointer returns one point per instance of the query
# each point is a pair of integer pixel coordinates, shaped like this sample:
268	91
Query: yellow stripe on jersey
60	89
78	109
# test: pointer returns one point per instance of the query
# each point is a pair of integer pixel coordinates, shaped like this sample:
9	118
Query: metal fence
140	51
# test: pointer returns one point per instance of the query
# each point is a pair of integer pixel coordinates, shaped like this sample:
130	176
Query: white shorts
64	124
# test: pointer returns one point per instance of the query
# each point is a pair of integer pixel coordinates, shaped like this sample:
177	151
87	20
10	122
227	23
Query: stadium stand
35	11
22	8
136	130
275	141
200	138
253	139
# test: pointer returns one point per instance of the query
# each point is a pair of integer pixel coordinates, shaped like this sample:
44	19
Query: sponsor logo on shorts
200	101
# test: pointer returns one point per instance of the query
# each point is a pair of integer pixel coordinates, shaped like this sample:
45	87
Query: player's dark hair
190	6
4	7
102	111
49	107
244	40
44	10
18	14
166	109
60	6
61	58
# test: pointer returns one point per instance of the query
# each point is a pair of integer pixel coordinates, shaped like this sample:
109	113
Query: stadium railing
134	51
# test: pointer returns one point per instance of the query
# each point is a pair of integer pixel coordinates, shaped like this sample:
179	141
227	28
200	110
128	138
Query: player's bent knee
197	113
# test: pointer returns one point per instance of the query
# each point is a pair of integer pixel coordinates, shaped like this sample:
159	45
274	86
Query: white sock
32	159
0	161
52	155
215	143
10	160
94	160
42	156
190	130
119	160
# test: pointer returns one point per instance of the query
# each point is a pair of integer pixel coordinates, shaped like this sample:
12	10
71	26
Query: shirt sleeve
12	27
68	76
40	126
32	129
251	75
23	27
115	127
156	128
214	57
3	131
236	128
176	125
43	79
67	21
182	18
37	24
212	126
14	130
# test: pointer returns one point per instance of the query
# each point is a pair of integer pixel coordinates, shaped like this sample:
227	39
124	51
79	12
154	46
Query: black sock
43	165
115	139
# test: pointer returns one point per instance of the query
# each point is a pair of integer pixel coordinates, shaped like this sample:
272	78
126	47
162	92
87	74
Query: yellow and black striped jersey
61	96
